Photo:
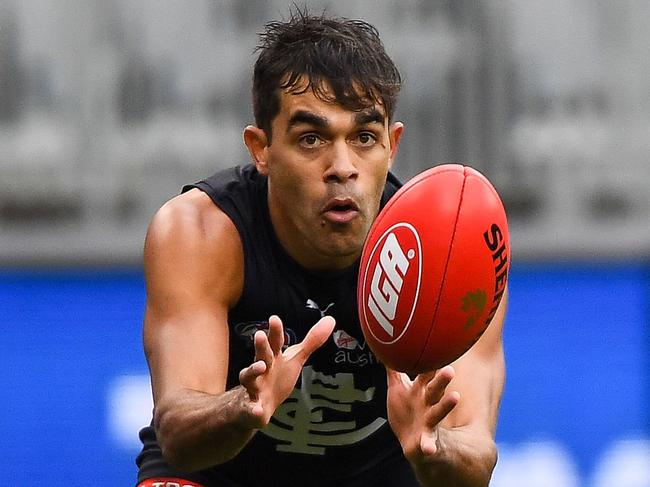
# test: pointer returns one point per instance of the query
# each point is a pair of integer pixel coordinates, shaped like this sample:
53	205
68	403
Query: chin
346	252
342	245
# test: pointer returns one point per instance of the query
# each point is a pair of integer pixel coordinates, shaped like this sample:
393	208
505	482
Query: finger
426	377
441	409
423	378
276	334
316	337
263	349
436	386
257	411
397	379
248	375
392	375
429	443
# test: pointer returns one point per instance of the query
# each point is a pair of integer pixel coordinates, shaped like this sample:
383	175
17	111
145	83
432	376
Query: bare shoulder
190	239
193	213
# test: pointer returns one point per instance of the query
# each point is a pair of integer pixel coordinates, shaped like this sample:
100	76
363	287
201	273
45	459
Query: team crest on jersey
247	330
321	414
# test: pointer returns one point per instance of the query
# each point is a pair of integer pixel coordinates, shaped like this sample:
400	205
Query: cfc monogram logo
300	425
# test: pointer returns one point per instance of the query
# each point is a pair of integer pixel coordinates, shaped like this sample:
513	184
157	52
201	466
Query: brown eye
366	139
310	141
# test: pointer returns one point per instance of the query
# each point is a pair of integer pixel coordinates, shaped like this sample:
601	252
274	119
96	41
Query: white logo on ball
394	265
388	279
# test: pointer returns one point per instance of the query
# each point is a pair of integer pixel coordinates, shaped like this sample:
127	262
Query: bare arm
193	262
194	274
451	442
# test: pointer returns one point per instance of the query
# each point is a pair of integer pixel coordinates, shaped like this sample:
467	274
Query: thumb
317	336
396	378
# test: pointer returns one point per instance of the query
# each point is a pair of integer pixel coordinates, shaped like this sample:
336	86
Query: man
259	370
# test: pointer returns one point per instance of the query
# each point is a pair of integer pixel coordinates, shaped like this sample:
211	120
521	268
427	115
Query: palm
273	375
416	407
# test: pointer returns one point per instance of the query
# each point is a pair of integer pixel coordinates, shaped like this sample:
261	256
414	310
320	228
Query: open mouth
341	210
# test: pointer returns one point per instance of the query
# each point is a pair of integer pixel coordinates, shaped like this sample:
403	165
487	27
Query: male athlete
260	373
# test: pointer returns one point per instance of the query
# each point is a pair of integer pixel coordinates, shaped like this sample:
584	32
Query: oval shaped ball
434	268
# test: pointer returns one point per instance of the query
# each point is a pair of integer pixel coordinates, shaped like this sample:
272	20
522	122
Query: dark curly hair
342	60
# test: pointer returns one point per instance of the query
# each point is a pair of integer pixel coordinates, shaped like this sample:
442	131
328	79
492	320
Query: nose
341	166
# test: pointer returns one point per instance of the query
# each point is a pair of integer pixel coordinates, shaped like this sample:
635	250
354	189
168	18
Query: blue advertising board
574	410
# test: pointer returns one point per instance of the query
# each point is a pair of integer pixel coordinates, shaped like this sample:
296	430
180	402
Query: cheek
376	188
296	190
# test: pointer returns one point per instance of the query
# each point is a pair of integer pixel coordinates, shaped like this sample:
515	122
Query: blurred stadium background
107	107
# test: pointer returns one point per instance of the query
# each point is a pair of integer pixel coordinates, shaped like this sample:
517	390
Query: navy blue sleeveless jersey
333	429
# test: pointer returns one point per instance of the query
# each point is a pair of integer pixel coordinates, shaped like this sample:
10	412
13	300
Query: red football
433	269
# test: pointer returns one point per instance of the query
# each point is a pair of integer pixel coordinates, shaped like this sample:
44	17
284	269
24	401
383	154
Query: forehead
304	99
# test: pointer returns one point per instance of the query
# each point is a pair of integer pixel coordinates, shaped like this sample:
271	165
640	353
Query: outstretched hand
271	378
416	408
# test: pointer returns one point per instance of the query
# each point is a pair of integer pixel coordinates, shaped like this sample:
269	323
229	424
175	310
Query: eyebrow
364	117
371	115
309	118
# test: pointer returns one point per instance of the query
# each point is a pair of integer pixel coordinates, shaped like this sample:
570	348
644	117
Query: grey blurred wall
107	107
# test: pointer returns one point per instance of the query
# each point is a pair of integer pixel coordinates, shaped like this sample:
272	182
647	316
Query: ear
257	143
395	135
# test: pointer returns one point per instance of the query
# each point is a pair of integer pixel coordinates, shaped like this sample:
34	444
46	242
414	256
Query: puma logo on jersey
311	304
